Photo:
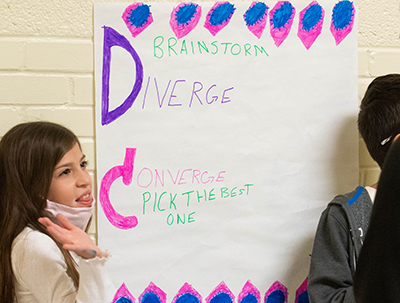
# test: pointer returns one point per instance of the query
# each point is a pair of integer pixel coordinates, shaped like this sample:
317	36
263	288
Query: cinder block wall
46	64
378	54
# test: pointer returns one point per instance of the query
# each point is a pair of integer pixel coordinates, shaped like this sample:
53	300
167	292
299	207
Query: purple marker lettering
214	98
226	98
158	94
145	93
113	38
172	94
126	172
194	92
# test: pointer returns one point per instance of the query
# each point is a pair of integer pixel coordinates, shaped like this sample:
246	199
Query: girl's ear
395	138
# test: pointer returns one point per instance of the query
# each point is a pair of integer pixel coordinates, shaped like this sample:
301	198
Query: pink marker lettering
126	172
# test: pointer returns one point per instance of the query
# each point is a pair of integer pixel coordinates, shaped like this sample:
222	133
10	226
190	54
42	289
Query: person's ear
395	138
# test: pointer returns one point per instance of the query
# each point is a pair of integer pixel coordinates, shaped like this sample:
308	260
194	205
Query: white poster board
222	130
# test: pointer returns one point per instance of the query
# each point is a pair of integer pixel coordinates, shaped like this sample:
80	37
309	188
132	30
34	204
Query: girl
43	181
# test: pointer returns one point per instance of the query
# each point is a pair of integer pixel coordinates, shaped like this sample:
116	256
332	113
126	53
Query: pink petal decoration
184	18
219	16
123	292
153	289
187	289
256	18
281	20
137	18
249	289
311	28
301	293
277	287
221	288
342	20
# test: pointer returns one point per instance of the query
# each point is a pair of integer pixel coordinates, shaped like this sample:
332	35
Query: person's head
379	116
38	160
29	154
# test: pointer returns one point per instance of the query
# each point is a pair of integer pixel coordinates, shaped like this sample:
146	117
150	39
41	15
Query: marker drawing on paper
281	19
342	20
137	18
219	16
184	18
310	23
256	18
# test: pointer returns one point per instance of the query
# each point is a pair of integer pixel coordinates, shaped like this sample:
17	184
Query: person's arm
94	283
71	237
40	270
330	278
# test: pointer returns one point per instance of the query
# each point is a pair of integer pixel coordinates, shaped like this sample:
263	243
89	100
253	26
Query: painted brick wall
46	64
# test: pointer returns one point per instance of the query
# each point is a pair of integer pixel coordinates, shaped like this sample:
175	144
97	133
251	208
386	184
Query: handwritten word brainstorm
186	16
277	293
160	201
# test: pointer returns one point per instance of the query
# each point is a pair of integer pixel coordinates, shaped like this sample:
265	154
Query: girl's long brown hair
28	154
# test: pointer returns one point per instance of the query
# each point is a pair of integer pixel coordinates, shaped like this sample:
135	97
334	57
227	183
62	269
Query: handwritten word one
173	47
147	177
180	218
172	95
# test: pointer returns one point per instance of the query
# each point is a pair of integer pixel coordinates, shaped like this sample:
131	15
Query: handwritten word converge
147	177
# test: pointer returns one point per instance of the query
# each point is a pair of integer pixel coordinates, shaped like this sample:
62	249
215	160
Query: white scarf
78	216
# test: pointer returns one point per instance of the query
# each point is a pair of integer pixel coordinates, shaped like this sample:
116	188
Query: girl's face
71	184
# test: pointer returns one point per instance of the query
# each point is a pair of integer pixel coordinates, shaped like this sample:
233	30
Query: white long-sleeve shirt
41	273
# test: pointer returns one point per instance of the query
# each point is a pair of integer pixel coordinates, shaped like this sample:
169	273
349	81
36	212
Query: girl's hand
71	237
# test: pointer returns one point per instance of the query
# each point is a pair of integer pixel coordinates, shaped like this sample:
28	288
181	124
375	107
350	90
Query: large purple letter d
113	38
